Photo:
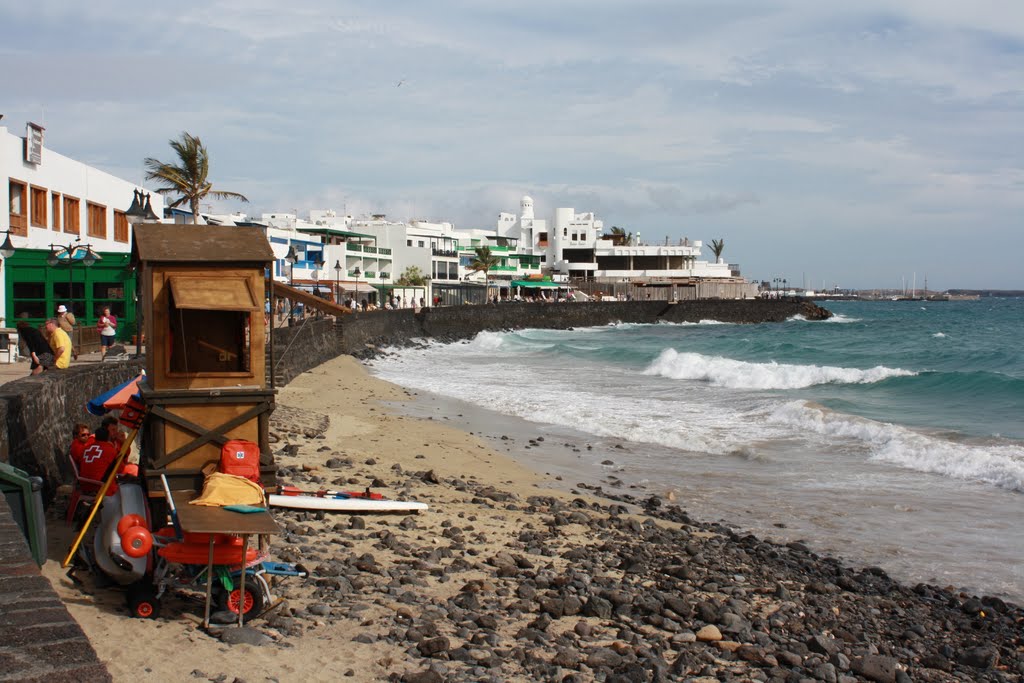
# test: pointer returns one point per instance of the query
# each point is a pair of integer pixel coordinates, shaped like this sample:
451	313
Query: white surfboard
343	504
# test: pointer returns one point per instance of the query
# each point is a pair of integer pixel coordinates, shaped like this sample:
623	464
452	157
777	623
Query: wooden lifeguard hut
202	291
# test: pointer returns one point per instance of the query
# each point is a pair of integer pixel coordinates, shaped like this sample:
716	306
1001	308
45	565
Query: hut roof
177	243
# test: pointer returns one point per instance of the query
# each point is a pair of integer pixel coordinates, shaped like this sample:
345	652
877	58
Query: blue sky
851	144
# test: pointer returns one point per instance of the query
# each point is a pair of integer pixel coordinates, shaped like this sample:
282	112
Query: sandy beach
377	443
511	576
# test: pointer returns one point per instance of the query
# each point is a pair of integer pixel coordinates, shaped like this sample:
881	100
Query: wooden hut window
210	325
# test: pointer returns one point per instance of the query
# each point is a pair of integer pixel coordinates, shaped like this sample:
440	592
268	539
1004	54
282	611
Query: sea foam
735	374
999	464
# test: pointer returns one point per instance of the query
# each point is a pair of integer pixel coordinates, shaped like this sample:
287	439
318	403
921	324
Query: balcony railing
352	246
370	250
384	251
445	252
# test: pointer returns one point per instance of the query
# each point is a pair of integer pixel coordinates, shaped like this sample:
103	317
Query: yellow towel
226	489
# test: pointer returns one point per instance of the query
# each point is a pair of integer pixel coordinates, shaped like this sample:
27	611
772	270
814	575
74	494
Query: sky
850	144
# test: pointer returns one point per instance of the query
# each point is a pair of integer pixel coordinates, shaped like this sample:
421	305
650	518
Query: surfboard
343	504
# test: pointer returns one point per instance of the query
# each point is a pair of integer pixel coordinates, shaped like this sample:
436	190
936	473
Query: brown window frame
56	204
96	217
18	221
38	202
72	218
121	232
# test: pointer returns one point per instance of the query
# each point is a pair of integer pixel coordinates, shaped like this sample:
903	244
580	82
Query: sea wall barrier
312	342
36	413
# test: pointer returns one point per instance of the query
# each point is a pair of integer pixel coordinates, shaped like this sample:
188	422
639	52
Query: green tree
484	260
717	247
620	237
188	179
412	277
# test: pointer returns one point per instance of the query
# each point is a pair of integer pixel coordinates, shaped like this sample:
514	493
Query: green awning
537	284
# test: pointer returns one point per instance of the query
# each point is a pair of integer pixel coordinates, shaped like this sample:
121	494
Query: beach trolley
206	391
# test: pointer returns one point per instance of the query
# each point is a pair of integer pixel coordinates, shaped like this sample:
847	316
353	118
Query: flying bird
399	84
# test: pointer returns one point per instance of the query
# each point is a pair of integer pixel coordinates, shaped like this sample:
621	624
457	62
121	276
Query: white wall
65	176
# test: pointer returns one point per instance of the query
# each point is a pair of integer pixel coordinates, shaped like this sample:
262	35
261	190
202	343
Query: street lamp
357	273
7	248
141	209
337	280
290	258
71	254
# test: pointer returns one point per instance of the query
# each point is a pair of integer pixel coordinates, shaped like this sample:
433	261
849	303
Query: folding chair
79	496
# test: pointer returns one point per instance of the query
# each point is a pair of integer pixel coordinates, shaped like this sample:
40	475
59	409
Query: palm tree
620	237
484	260
188	179
717	246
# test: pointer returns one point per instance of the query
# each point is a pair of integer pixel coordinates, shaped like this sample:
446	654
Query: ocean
890	435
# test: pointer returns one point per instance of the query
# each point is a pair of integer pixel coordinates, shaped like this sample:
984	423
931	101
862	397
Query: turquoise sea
890	435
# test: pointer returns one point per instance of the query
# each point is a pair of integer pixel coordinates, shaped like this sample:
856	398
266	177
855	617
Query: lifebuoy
128	521
136	541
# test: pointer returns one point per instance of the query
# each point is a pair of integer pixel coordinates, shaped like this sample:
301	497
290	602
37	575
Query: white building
578	247
62	211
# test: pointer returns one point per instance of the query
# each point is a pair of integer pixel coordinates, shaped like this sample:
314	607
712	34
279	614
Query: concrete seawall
362	335
36	413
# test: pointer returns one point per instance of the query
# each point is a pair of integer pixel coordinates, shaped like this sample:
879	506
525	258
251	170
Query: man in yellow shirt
60	342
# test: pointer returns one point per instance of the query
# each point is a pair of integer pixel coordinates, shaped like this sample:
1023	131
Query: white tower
559	235
526	208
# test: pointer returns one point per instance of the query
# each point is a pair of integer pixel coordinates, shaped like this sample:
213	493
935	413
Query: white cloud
797	130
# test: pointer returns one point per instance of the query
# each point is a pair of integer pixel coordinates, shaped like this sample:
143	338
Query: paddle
97	503
324	493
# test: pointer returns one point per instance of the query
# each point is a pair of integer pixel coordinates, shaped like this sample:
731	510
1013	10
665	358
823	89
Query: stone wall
301	348
39	641
38	412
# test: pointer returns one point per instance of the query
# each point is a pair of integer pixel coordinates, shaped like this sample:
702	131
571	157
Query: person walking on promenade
38	348
60	344
107	326
66	321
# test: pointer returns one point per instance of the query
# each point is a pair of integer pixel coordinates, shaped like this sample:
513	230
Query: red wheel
142	602
253	600
136	542
128	521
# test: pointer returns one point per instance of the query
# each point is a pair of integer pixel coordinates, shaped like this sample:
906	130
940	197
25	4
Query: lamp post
141	209
337	281
357	273
7	248
290	258
72	253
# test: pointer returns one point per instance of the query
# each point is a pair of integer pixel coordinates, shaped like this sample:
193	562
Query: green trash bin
24	495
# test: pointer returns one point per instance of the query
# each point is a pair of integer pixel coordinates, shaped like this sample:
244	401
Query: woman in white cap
66	321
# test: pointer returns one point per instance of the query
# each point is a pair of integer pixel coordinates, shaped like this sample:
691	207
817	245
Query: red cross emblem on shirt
92	453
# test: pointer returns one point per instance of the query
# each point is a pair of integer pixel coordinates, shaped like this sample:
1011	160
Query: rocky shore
513	576
651	595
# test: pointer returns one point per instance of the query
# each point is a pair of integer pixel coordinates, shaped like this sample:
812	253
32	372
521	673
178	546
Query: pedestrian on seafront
66	321
38	348
60	344
107	326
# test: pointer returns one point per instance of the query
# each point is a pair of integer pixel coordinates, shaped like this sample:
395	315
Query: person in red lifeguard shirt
95	460
80	435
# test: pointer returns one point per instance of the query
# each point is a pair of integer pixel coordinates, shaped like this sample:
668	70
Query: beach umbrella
115	399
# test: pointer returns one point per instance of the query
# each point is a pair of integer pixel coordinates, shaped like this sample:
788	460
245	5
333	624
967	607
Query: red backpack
241	458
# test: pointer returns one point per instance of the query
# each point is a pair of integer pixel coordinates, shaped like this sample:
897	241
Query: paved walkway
12	371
